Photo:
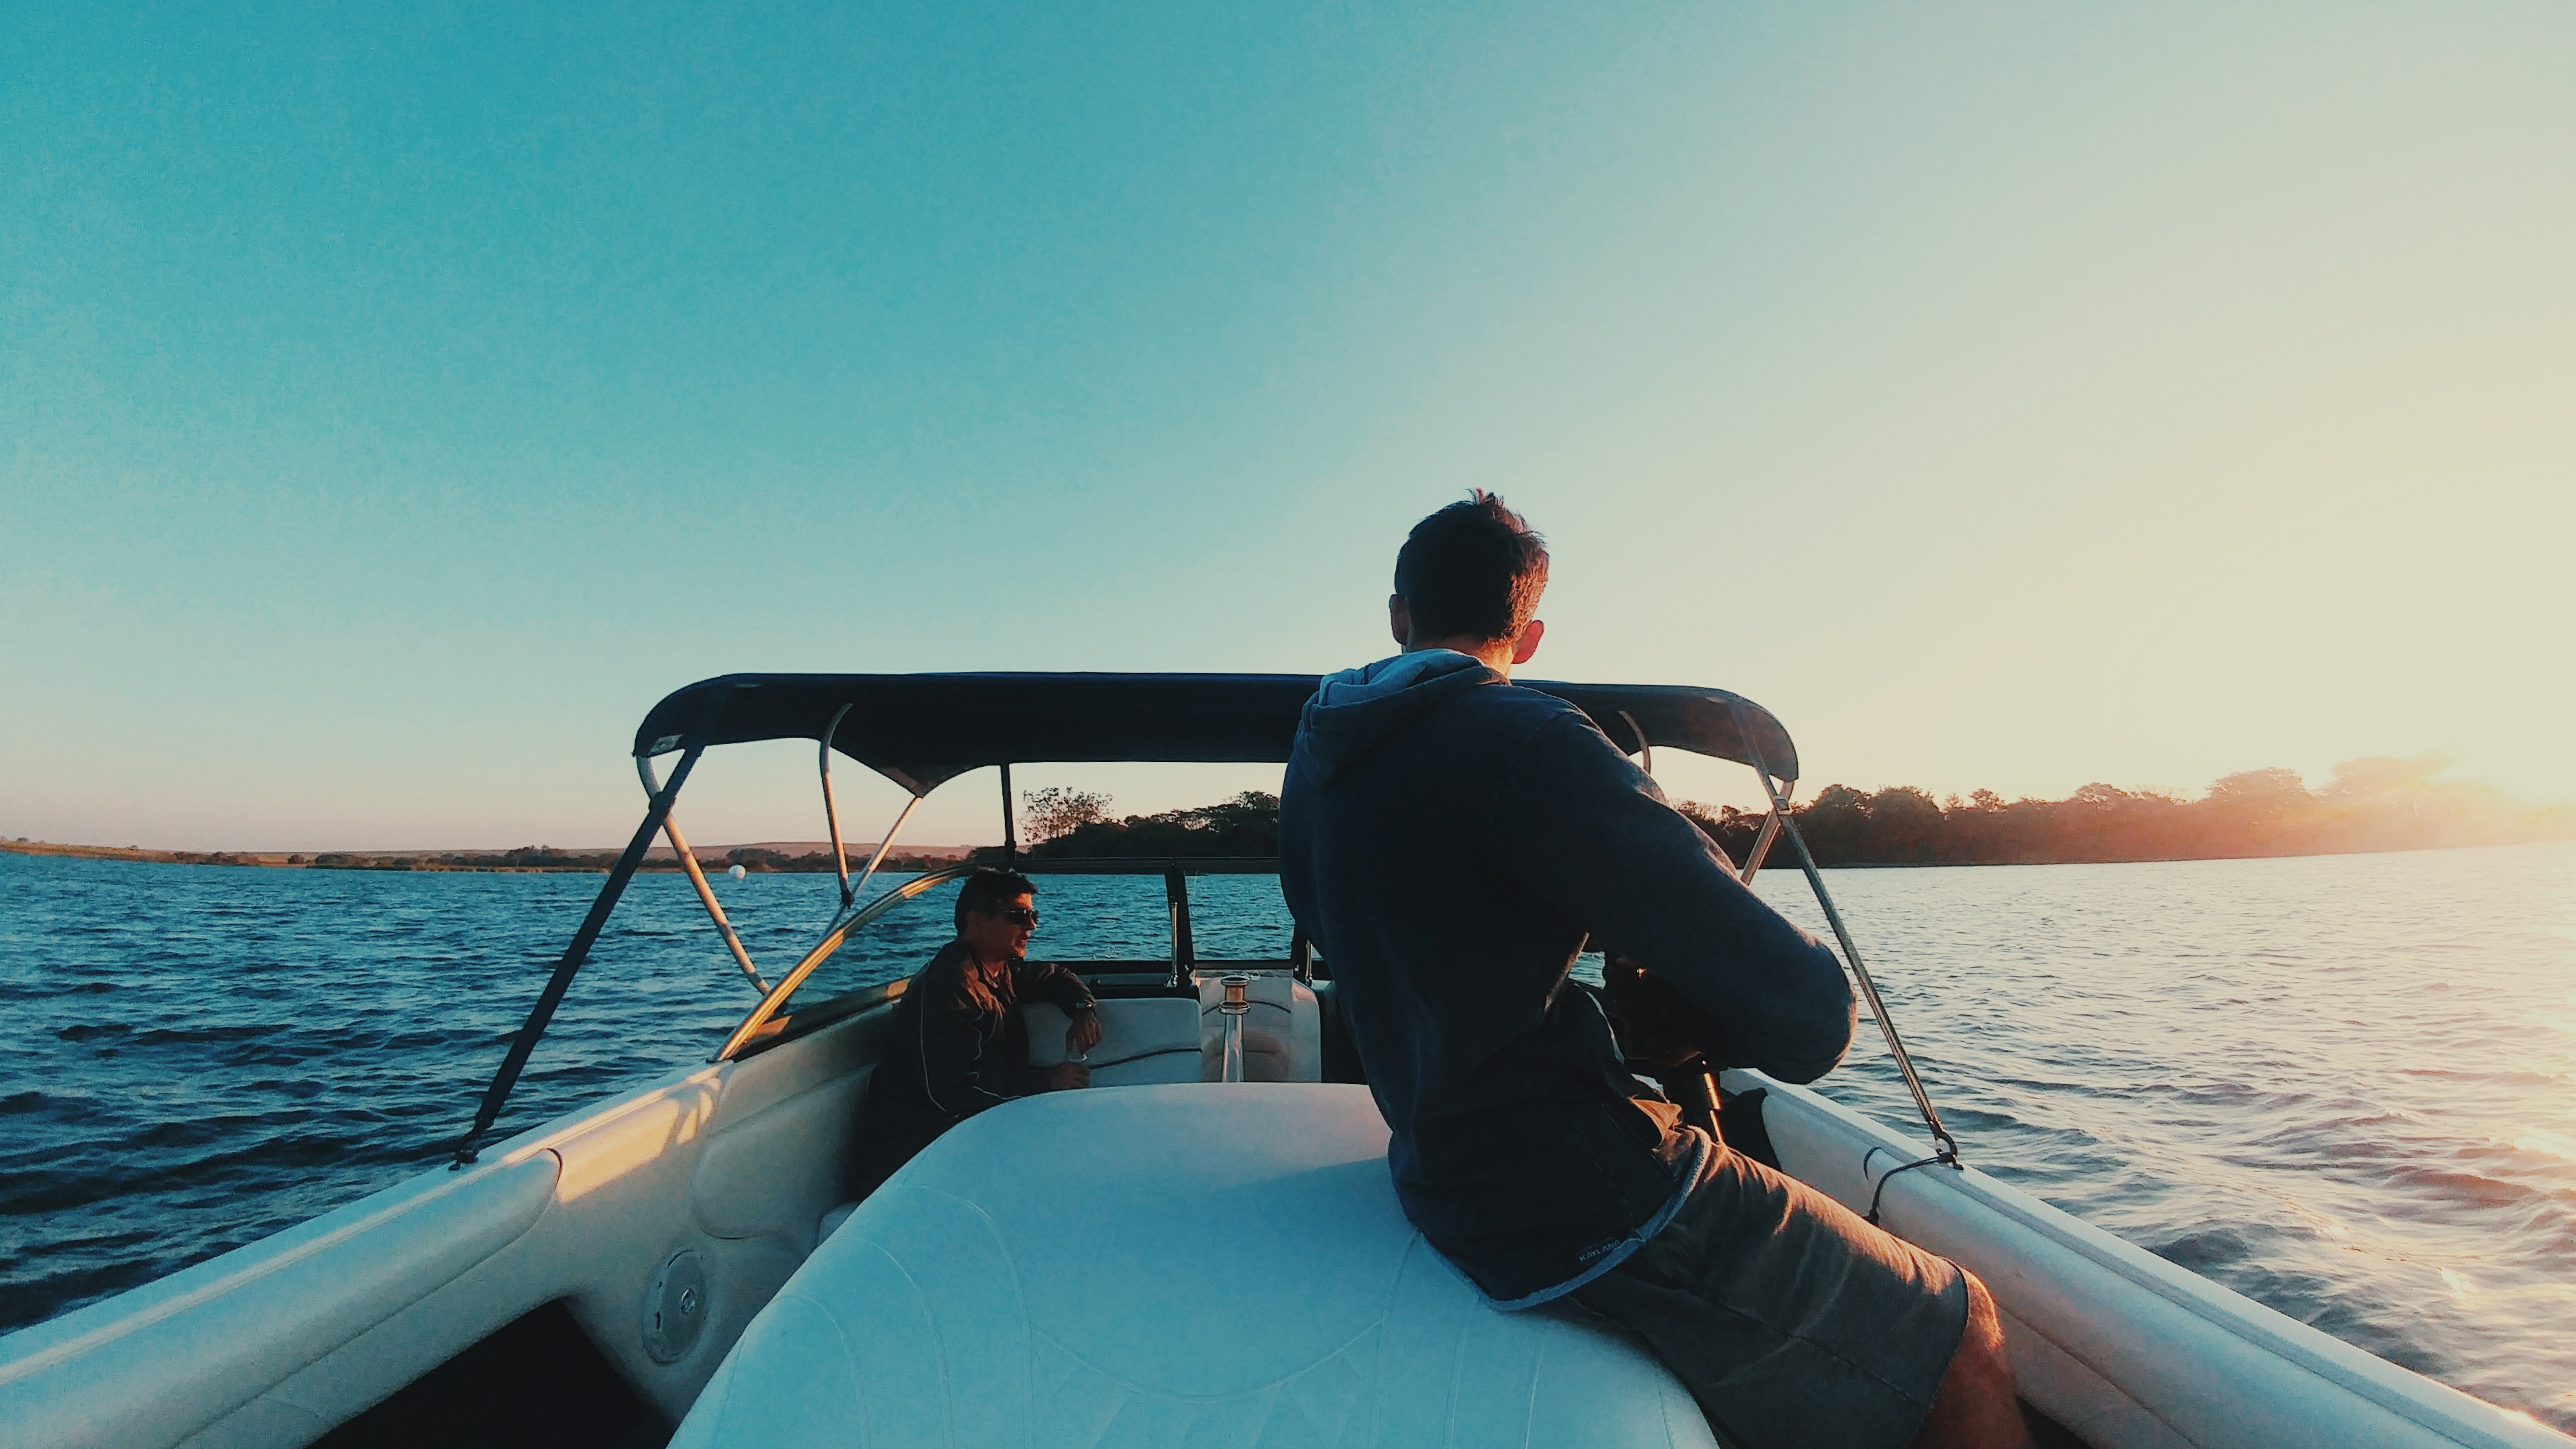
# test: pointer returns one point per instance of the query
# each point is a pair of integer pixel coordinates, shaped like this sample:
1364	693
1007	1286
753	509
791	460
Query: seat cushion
1142	1040
1205	1264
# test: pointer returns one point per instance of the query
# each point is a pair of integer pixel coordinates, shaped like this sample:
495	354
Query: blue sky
393	407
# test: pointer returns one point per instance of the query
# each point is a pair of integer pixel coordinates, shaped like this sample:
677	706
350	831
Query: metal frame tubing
1762	842
1948	1153
831	809
698	878
1645	746
1010	823
498	1094
1176	900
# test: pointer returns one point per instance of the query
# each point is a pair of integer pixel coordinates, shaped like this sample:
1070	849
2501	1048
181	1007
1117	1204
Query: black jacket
952	1052
1447	841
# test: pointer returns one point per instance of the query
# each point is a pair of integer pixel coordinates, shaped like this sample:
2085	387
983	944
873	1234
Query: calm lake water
2344	1086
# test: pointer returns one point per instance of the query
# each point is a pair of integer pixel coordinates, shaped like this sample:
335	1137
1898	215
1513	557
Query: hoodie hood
1353	711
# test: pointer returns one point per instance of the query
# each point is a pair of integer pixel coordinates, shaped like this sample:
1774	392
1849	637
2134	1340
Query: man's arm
1588	831
1046	981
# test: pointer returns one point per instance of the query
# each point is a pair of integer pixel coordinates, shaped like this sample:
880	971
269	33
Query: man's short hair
1473	568
987	892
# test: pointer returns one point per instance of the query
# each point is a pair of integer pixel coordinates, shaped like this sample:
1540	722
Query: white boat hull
2120	1346
278	1342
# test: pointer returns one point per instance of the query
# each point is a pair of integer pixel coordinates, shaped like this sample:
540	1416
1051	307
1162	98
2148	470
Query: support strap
1875	1193
1947	1147
498	1094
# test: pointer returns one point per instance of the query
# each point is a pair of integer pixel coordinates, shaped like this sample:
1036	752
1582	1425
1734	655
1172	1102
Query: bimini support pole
498	1094
849	892
1645	746
698	878
1770	822
831	811
1947	1150
1770	832
1010	824
1176	904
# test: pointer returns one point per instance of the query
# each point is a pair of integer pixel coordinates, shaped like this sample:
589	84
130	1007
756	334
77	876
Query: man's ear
1525	647
1399	620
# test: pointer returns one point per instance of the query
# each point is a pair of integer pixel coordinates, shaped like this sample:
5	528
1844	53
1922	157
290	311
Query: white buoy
737	872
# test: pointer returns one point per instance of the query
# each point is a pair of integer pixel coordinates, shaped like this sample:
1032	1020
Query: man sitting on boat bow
957	1043
1447	841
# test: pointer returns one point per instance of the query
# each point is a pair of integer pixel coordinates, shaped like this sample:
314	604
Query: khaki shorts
1790	1320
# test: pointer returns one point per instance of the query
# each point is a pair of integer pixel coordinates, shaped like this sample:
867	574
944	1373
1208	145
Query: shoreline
767	861
526	860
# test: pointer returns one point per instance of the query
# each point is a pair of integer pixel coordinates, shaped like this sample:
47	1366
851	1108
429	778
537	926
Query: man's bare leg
1974	1408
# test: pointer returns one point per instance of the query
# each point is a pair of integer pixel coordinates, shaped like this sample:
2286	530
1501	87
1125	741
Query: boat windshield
889	948
1135	927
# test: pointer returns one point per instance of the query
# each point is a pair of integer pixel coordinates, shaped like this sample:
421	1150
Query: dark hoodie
1447	841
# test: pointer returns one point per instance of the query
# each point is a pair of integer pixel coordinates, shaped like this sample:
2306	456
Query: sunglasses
1018	916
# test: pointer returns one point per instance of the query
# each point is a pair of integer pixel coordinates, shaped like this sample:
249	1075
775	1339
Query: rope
1948	1159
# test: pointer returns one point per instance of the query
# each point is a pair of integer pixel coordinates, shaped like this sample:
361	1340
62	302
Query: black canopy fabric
920	730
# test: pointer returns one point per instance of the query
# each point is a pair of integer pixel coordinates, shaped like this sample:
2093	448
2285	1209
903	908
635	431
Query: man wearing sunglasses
957	1044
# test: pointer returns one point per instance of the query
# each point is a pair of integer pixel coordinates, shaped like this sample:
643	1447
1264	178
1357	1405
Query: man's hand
1084	1034
1657	1027
1065	1076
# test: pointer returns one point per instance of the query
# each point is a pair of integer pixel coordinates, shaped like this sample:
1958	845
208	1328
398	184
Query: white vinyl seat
1142	1040
1203	1265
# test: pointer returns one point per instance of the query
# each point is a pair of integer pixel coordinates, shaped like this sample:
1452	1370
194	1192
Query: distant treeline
2371	804
752	859
1075	825
525	858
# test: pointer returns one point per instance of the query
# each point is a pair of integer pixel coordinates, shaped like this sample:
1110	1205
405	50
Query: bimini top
920	730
